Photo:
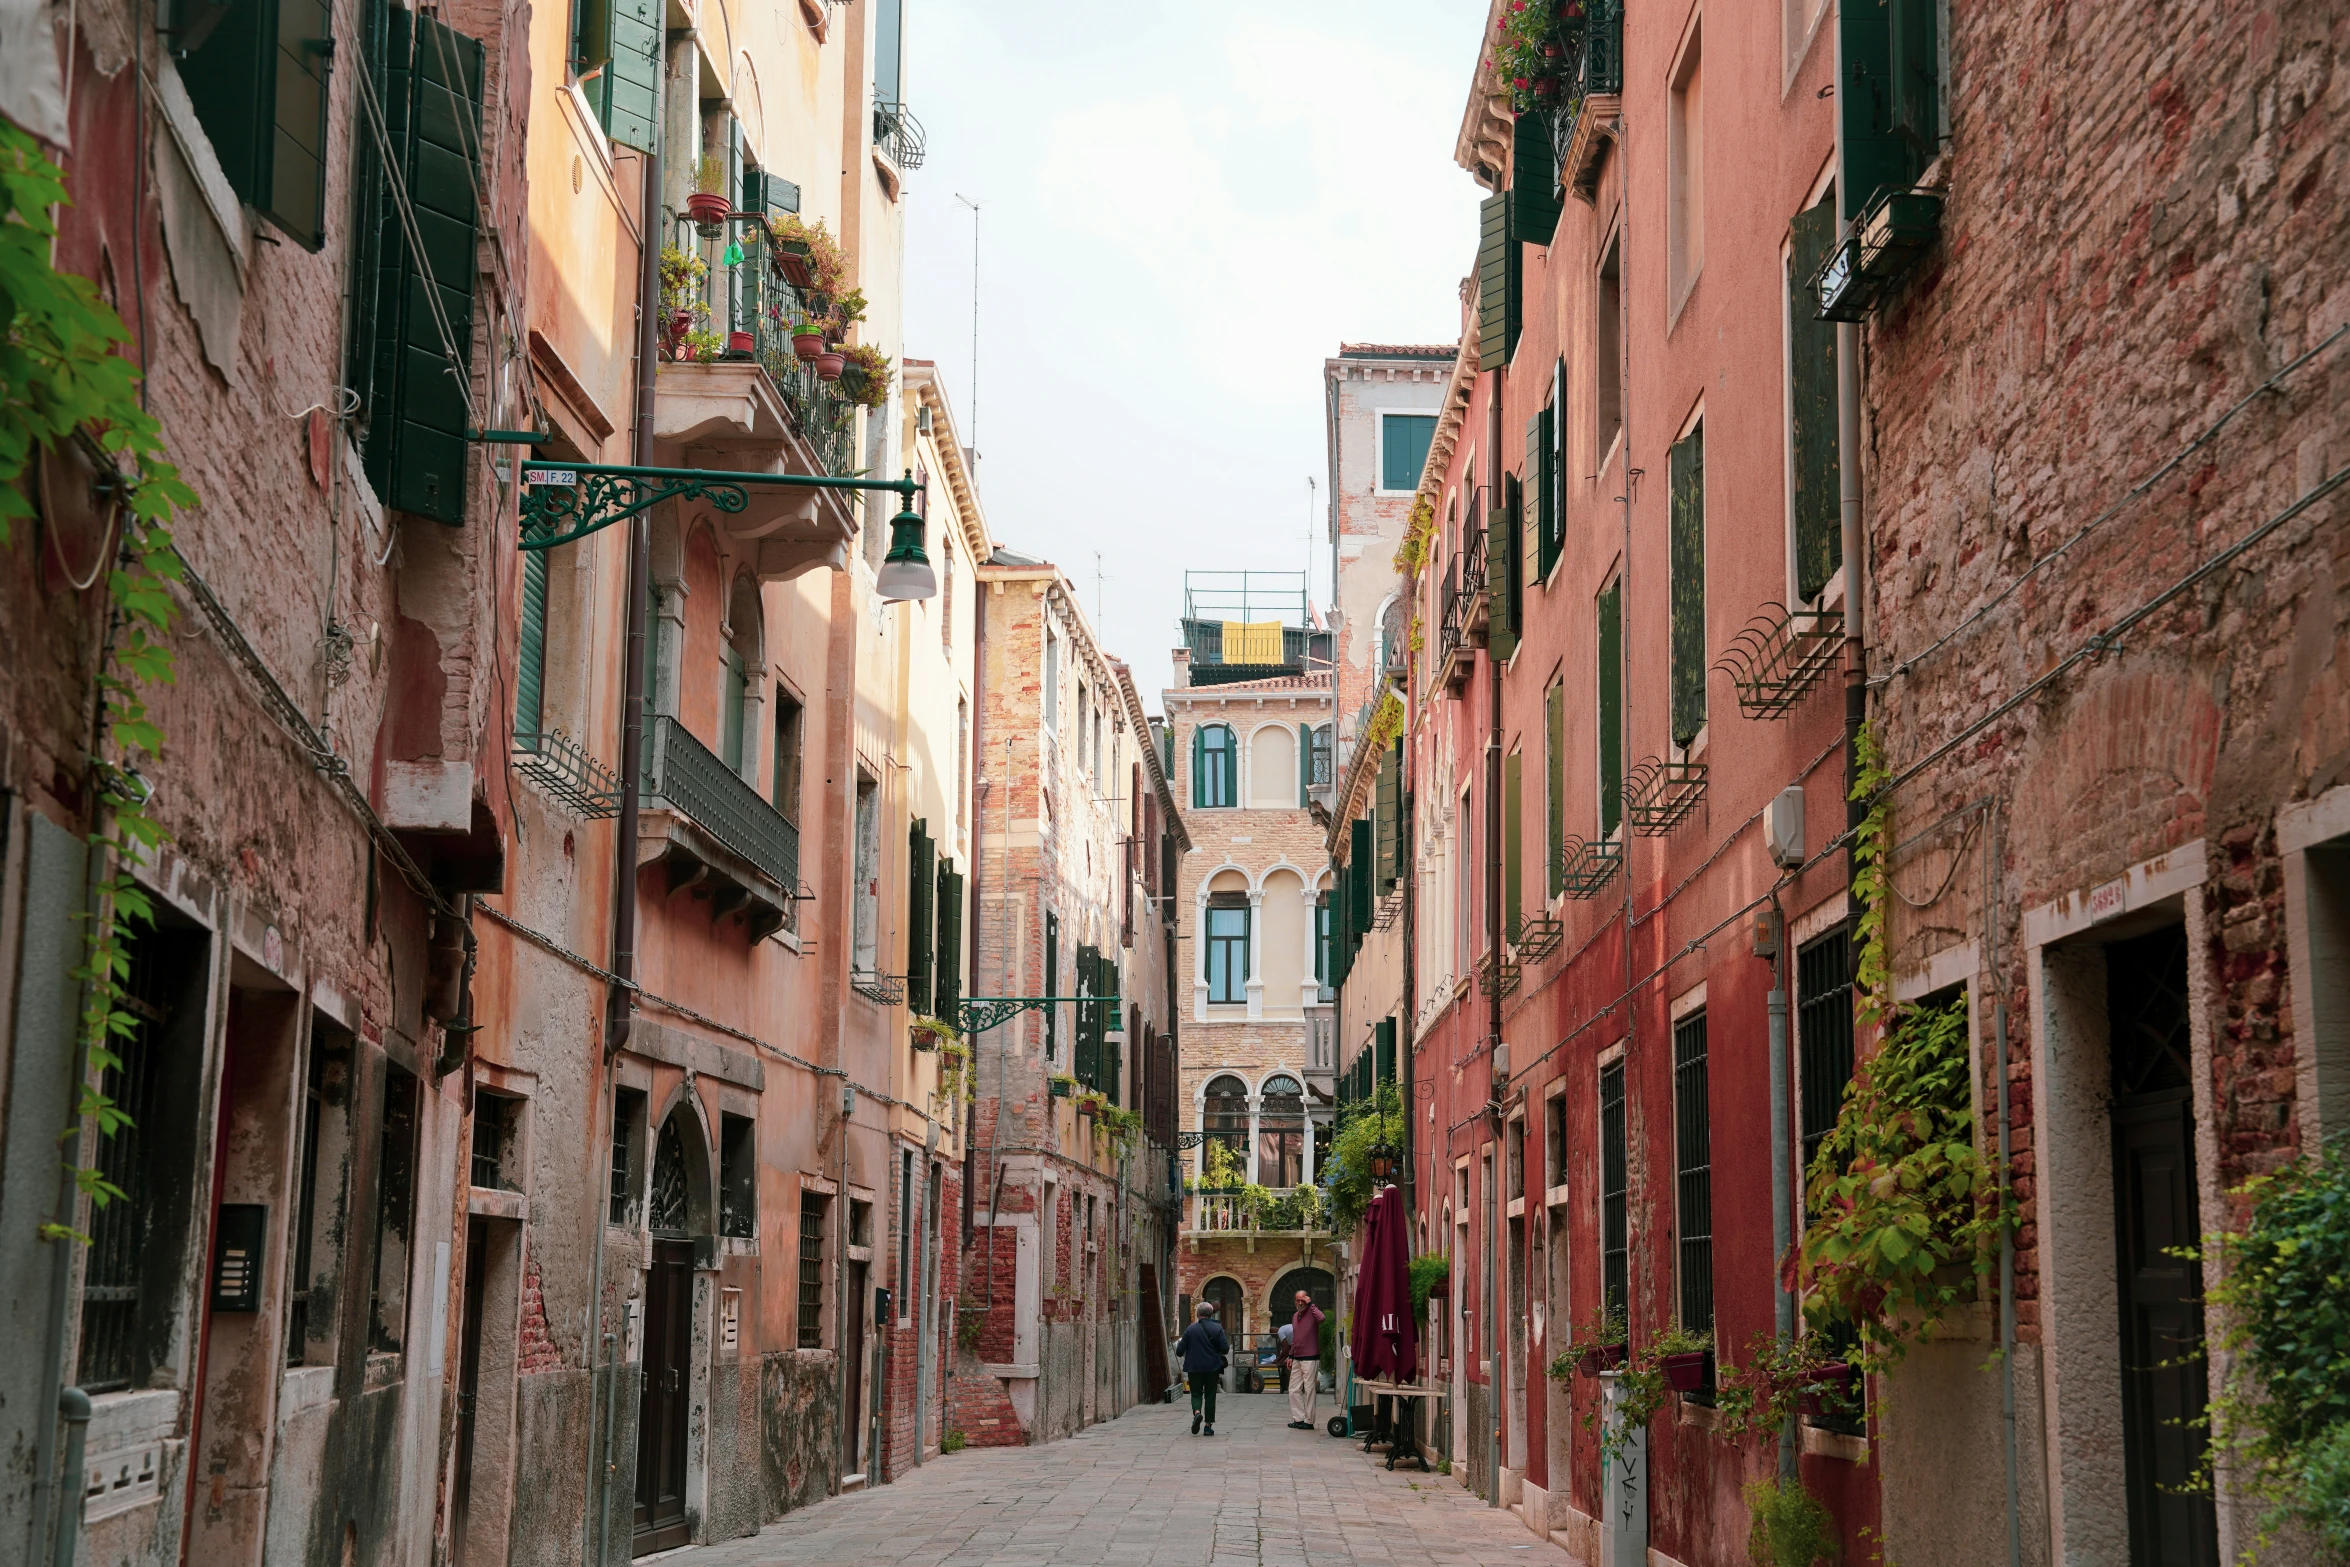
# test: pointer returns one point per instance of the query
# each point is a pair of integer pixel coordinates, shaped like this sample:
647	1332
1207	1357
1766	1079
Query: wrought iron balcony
898	135
560	766
768	307
716	835
1292	1210
1780	656
1591	87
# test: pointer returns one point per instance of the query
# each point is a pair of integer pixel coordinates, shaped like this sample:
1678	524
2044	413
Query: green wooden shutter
1305	763
1611	707
1499	284
416	448
530	674
1554	785
1514	503
921	869
1811	343
1534	182
1390	813
1554	453
1888	96
730	719
1688	607
1199	767
1501	628
947	984
1513	842
1089	1018
259	86
1541	462
627	95
1383	1047
1052	985
1360	884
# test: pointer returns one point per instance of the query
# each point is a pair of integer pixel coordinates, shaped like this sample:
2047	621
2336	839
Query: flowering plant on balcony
682	304
1412	553
1533	43
807	255
702	347
866	377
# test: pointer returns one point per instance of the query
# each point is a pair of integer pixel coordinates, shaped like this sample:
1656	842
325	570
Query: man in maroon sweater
1305	1354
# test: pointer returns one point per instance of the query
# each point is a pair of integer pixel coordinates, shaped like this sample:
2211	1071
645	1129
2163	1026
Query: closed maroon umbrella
1386	1348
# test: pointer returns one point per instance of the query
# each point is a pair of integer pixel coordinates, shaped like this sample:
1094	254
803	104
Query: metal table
1400	1440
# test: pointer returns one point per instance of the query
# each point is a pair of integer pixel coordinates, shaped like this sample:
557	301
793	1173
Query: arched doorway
1322	1289
1224	1120
678	1211
1224	1293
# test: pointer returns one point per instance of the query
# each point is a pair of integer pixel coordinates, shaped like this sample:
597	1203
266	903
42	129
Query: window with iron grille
811	1312
1615	1258
738	1177
111	1353
1823	1032
495	1120
325	1092
1554	1113
1693	1173
628	1112
395	1209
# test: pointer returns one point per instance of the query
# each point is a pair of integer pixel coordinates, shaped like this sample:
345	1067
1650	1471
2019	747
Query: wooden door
661	1412
477	1267
853	1444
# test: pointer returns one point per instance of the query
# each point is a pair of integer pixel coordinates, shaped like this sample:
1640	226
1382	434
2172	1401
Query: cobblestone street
1141	1491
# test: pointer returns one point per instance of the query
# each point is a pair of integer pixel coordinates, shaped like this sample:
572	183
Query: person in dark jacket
1204	1351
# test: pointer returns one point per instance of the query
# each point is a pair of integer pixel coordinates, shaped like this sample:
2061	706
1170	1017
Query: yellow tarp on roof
1252	642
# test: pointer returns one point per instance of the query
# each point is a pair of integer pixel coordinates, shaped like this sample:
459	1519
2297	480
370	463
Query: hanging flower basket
708	210
1062	1087
829	364
1600	1357
1089	1108
807	341
793	260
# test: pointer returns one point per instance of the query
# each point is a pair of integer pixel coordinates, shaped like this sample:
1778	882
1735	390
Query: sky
1184	209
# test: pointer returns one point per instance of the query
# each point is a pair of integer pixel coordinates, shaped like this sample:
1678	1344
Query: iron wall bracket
566	501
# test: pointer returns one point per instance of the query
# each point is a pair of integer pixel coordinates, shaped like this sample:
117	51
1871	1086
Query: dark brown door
853	1443
2164	1377
477	1267
661	1415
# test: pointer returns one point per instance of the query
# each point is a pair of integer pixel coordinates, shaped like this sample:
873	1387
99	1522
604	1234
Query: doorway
853	1416
2173	1522
661	1414
477	1267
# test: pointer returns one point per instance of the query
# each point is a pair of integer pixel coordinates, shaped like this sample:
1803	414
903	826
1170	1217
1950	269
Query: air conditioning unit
1783	829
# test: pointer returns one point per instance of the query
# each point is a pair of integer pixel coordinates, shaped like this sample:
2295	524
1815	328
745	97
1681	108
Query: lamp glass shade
905	571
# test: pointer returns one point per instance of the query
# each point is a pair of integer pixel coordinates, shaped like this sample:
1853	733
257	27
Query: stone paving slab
1141	1491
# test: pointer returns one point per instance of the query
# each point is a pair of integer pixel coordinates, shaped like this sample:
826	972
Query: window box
1689	1371
1062	1087
1831	1394
1602	1357
1871	262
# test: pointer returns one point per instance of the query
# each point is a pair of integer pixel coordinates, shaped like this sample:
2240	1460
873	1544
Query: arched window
1227	939
1224	1118
672	1205
1281	1133
1215	768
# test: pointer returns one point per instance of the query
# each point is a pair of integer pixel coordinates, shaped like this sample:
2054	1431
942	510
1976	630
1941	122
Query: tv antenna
971	447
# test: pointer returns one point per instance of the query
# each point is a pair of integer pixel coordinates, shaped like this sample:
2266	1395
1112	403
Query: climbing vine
63	379
1903	1213
1412	553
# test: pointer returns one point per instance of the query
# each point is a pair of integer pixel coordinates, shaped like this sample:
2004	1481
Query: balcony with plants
1564	60
1223	1204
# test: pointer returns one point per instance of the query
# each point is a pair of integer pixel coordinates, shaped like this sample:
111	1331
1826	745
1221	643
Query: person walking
1304	1353
1204	1352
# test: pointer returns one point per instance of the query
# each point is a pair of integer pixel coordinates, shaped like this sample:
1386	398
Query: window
1823	1032
1228	918
318	1220
811	1302
1610	677
1052	682
1322	943
1224	1118
1215	769
395	1210
1554	1115
1608	344
259	85
889	38
1513	842
733	689
1319	753
1615	1264
1084	711
497	1121
1554	785
1404	440
865	955
625	33
921	915
1465	894
905	1232
1693	1183
1516	1146
738	1177
1685	170
1544	500
789	728
628	1119
1281	1133
1688	585
1816	491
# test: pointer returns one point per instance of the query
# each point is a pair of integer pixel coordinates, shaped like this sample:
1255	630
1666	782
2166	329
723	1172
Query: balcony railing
768	307
1594	69
1292	1210
683	775
898	135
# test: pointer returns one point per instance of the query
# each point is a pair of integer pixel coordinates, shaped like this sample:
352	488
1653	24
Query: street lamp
1382	1161
905	571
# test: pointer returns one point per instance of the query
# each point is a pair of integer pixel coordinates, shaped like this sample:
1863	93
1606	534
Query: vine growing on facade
63	379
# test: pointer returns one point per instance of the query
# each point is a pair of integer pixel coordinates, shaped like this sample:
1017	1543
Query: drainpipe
619	1003
1497	1050
1856	673
1993	906
1782	1179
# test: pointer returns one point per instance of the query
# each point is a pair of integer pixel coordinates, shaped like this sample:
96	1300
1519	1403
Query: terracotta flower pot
1685	1373
680	322
708	210
807	342
740	343
1545	90
829	364
792	260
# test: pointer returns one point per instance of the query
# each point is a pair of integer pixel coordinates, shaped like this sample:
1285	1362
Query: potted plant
866	376
708	205
928	1033
681	305
740	345
807	341
1829	1393
701	347
807	255
1599	1346
1061	1085
829	363
1089	1105
1686	1358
